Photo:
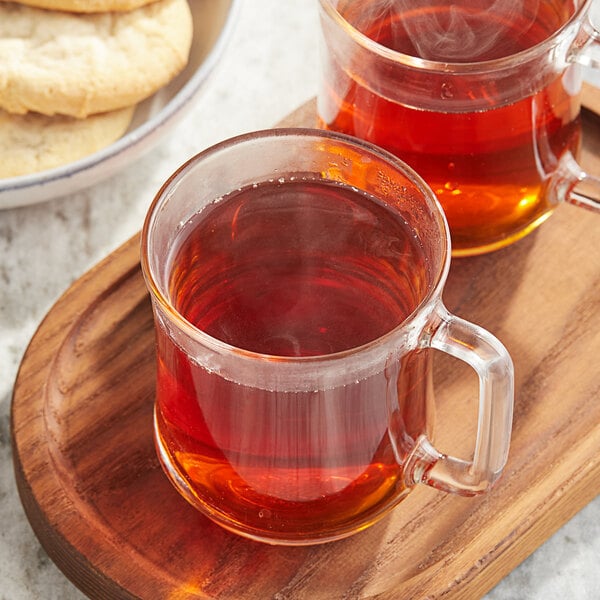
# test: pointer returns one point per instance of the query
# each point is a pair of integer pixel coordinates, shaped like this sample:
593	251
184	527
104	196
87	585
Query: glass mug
481	98
296	279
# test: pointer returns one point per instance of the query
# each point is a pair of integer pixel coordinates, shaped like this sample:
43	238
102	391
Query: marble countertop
267	70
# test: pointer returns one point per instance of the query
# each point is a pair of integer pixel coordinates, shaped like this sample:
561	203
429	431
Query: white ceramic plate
153	118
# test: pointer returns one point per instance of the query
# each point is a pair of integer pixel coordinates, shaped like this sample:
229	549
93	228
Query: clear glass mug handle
493	365
582	188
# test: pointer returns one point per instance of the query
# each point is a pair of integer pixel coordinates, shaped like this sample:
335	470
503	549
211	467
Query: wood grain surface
98	501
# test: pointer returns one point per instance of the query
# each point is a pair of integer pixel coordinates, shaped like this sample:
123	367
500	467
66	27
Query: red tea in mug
299	268
296	278
490	166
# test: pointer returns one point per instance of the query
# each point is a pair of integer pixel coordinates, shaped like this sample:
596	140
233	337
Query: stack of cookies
72	71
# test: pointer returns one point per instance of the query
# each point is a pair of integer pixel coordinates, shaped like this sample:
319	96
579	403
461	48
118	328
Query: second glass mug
296	280
481	99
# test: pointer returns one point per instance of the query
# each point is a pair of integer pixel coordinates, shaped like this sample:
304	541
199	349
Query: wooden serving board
105	513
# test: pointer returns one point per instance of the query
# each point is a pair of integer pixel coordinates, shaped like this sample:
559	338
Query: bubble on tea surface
447	91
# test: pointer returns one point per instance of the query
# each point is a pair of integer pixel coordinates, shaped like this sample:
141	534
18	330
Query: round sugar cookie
86	6
54	62
33	142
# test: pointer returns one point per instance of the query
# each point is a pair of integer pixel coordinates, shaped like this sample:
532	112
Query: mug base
468	248
181	485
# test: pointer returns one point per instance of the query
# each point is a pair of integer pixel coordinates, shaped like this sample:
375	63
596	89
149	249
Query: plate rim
13	189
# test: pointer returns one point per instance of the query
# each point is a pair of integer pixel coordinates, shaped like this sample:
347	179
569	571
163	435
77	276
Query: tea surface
297	269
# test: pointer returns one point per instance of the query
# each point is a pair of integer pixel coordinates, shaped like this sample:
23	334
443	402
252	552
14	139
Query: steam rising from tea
465	31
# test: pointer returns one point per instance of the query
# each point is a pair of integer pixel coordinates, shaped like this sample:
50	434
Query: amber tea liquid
489	167
299	268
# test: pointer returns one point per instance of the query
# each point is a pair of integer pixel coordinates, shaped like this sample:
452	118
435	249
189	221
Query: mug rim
219	346
450	67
